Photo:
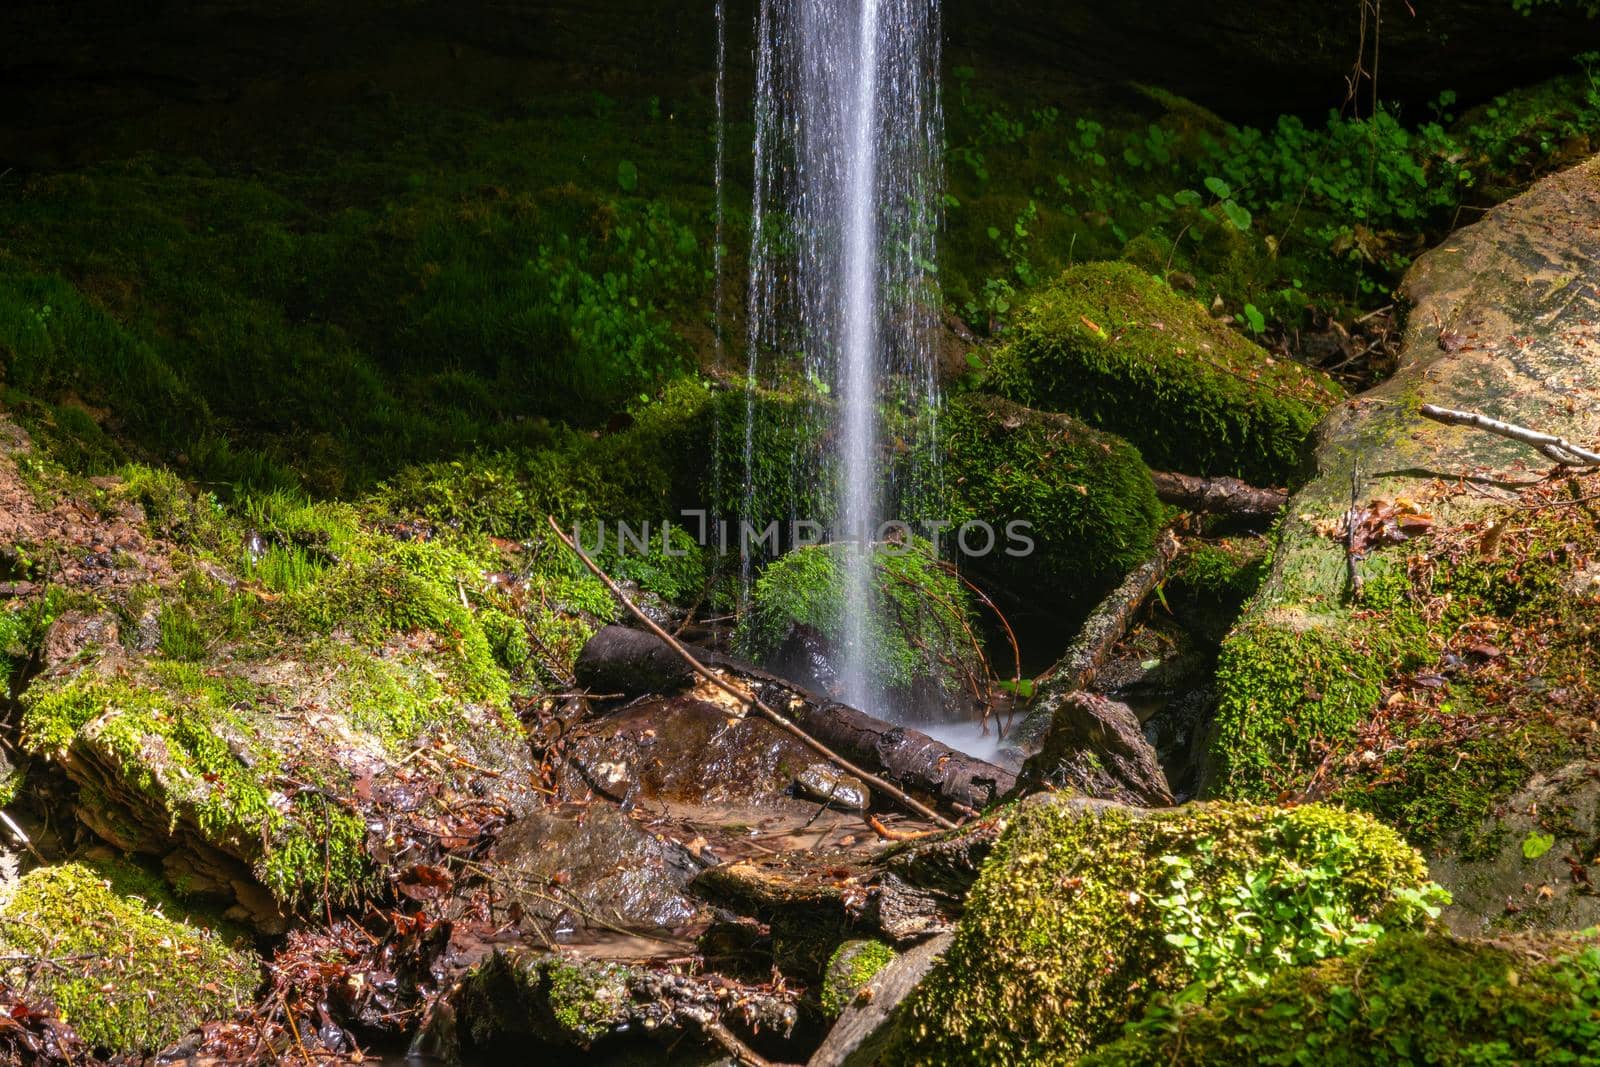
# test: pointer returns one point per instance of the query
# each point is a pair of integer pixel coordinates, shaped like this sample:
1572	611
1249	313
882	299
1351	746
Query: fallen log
1085	656
1218	496
626	663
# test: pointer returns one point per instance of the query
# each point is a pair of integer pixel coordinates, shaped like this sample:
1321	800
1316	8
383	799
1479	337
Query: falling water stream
847	196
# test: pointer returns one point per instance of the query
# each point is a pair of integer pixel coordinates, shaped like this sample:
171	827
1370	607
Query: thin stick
17	832
750	700
1556	448
740	1051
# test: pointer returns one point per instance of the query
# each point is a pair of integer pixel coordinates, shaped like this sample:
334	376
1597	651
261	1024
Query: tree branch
1551	446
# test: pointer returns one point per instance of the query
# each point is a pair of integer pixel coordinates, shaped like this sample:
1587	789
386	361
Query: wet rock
573	866
684	749
825	783
75	633
1097	747
807	656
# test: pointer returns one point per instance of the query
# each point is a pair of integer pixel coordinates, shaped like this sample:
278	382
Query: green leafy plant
1236	932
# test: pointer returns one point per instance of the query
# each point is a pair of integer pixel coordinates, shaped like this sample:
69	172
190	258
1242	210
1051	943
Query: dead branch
1105	626
1111	619
749	700
1559	449
1220	496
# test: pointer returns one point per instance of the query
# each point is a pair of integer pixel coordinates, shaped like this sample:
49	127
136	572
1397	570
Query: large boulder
1085	909
1121	350
1409	998
1458	671
1085	496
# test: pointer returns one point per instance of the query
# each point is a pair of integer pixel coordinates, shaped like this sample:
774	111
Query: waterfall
846	206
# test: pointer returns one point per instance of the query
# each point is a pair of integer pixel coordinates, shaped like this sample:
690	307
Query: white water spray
846	207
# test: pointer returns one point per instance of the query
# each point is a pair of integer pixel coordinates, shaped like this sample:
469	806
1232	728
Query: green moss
921	630
1111	344
1229	571
136	979
1407	999
1065	934
513	996
854	964
193	744
1086	495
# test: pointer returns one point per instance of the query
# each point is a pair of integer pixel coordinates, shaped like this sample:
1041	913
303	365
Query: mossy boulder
127	977
1469	645
1408	998
266	684
1116	347
1086	496
920	644
853	965
1084	910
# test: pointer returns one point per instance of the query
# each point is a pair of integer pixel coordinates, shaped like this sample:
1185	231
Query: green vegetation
920	634
1409	998
1277	223
1082	912
1123	352
138	978
854	964
1087	495
285	317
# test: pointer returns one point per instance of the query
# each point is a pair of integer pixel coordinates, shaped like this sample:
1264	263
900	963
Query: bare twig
1350	521
1559	449
750	700
17	832
741	1052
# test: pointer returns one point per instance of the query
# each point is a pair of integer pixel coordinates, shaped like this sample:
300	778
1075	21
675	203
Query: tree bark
1218	496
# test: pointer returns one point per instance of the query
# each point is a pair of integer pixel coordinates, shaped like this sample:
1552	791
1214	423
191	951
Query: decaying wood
1105	626
1551	446
1218	496
750	700
908	756
1111	619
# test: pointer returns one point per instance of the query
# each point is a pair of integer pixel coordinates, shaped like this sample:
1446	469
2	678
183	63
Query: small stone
827	784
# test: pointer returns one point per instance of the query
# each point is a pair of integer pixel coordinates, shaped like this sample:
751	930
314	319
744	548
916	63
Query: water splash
845	210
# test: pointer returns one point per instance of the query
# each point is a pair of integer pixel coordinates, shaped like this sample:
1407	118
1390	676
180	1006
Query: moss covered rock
1469	647
919	640
854	964
1409	998
1114	346
1084	910
127	977
1086	497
